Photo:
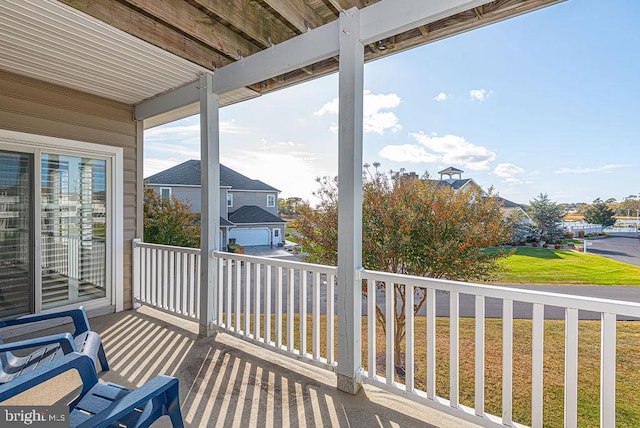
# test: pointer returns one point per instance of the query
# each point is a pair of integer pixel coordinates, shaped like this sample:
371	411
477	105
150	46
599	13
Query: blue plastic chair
50	347
103	404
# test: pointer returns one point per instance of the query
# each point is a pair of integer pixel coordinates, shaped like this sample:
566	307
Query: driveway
623	247
493	307
267	251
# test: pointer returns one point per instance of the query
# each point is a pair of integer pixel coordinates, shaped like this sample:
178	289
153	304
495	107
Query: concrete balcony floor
225	381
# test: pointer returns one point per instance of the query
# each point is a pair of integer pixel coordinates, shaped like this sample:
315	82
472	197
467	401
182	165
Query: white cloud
441	97
329	108
263	162
380	122
375	119
507	170
408	153
588	170
479	94
447	149
456	150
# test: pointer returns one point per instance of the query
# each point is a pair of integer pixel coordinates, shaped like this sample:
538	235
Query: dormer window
271	201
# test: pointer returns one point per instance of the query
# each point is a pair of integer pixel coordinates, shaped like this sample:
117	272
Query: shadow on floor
225	381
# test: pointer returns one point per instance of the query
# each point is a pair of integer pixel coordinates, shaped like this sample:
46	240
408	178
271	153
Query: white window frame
114	156
273	203
163	189
229	200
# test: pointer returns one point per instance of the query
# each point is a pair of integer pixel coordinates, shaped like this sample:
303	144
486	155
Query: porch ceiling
50	41
214	33
132	50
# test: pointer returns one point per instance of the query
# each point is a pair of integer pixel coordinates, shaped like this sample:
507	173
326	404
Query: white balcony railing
608	310
167	278
265	300
260	299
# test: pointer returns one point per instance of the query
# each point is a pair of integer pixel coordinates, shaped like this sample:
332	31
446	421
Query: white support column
210	207
351	72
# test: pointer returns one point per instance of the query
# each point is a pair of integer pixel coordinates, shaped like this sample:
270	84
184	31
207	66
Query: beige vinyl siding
37	107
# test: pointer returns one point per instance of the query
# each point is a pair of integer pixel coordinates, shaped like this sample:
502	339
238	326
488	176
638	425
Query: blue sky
545	102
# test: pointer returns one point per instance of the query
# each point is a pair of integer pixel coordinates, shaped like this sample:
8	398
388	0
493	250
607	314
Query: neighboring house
248	208
457	183
509	208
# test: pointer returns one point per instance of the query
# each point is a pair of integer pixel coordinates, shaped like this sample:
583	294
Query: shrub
569	235
581	234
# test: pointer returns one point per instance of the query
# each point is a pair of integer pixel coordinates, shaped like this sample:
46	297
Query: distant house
509	208
248	208
456	183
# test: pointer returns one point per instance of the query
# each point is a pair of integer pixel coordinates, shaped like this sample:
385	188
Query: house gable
188	174
508	207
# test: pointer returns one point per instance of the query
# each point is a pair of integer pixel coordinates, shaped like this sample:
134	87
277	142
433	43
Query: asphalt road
493	307
623	247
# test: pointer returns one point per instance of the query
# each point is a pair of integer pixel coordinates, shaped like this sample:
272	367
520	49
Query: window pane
15	234
165	193
74	229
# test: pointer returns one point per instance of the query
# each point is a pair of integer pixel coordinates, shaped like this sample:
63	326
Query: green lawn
627	368
547	266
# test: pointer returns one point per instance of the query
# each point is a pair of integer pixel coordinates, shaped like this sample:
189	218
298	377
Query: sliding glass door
54	230
16	235
73	229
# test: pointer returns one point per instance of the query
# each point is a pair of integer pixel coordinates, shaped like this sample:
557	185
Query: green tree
169	221
410	226
547	216
599	213
630	206
289	206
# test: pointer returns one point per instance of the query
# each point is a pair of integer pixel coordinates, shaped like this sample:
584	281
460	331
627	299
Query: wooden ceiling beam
186	18
346	4
296	12
120	16
248	19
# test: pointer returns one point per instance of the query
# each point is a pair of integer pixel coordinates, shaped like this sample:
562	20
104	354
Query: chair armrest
64	339
78	316
157	386
74	361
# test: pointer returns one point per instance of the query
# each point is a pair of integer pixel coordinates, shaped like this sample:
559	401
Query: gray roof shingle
188	174
253	214
451	170
507	203
457	184
454	184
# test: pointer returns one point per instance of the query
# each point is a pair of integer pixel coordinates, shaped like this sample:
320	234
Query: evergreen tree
599	213
547	216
